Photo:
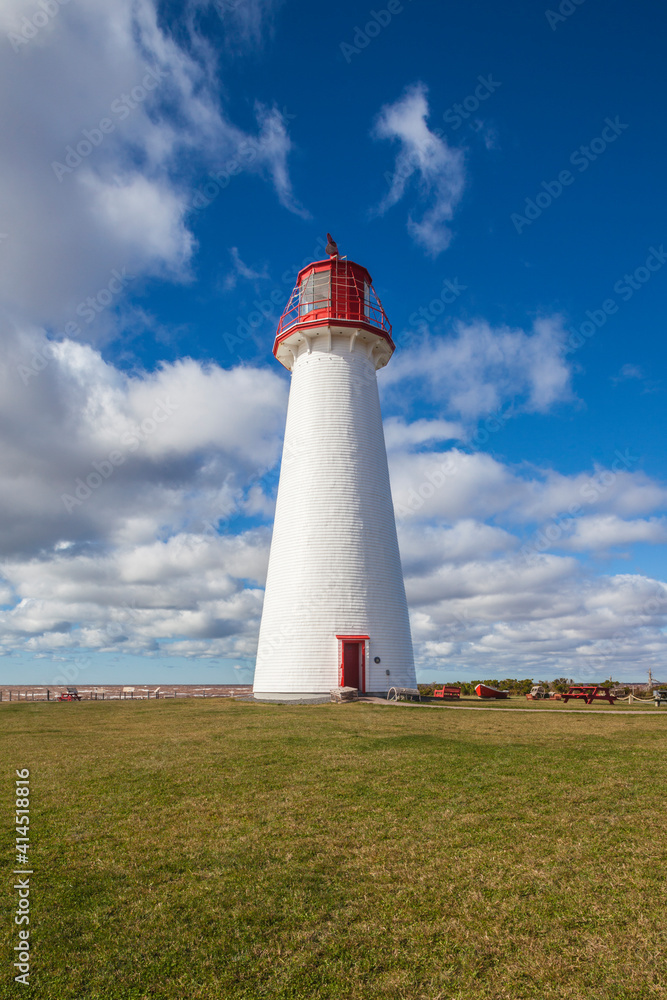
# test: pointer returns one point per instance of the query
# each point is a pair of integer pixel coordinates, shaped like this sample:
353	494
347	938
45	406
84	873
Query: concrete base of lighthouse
307	698
296	697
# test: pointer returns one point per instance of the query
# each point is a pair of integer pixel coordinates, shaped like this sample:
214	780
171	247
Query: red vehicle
447	692
70	695
484	691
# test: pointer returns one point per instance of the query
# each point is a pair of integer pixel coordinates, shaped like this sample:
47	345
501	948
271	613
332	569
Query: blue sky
169	169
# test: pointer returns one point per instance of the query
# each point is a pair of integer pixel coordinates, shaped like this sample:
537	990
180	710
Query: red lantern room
333	296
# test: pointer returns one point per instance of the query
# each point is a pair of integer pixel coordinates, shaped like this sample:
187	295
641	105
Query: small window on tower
315	292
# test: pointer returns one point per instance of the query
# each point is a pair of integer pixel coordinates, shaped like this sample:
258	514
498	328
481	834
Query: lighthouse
335	612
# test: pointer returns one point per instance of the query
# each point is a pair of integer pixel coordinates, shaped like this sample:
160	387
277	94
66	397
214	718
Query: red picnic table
590	693
447	692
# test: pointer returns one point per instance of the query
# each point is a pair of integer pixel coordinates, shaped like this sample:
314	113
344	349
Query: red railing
346	295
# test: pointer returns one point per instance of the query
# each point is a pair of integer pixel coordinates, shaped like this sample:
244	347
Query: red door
351	664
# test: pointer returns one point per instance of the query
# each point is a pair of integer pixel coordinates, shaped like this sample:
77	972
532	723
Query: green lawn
216	849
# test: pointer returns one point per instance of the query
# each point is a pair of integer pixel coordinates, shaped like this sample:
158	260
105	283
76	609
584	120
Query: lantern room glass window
367	299
315	292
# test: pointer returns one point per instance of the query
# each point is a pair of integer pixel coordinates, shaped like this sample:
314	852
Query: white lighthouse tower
335	612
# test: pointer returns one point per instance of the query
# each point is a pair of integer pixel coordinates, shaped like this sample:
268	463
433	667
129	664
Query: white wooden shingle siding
334	567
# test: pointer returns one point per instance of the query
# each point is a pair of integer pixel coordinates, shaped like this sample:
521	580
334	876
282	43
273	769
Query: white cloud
628	371
446	486
616	489
274	145
450	485
138	598
604	532
399	434
245	22
436	166
477	369
120	197
489	600
151	561
487	133
427	547
148	213
241	270
113	487
178	446
540	617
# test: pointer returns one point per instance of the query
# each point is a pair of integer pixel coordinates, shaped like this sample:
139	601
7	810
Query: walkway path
491	708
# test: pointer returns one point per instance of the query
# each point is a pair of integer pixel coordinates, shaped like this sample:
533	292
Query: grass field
218	849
